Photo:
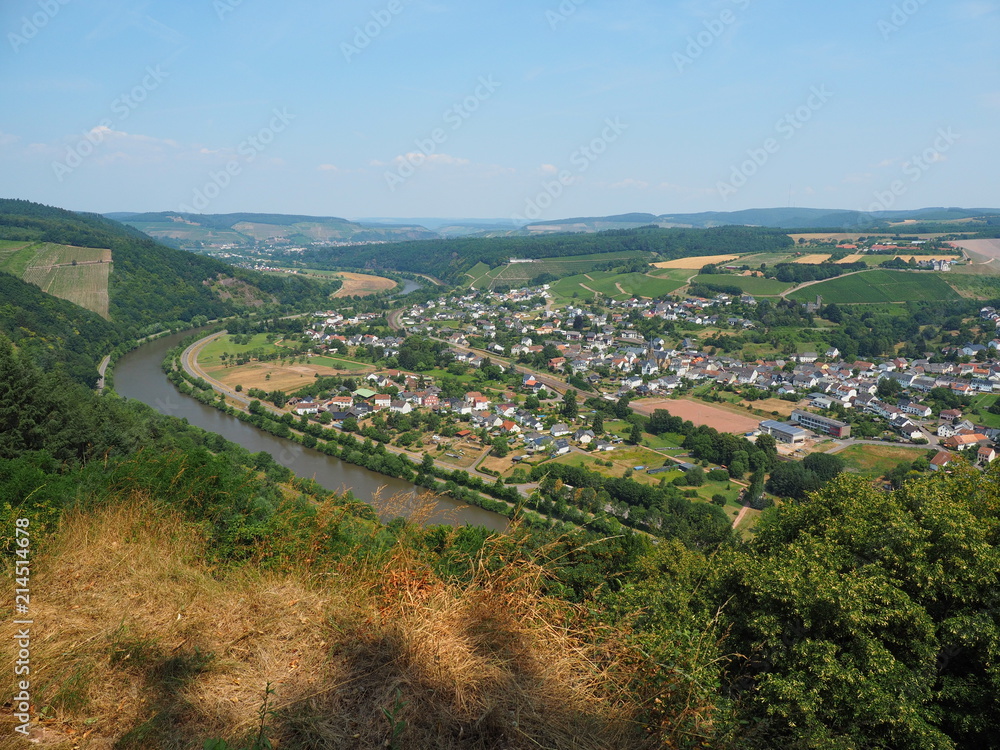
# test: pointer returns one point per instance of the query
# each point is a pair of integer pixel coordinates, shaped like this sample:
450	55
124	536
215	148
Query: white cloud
328	168
630	182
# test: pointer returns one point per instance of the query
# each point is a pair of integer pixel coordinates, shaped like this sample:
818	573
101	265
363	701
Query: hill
786	218
200	231
151	284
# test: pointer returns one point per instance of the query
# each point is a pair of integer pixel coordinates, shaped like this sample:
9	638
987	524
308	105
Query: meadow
879	287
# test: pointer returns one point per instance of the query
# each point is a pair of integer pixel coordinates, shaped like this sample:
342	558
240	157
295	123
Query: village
523	354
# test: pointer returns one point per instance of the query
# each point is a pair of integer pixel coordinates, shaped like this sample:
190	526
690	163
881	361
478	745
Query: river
138	375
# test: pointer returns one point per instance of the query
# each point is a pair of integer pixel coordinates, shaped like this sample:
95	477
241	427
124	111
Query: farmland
615	286
77	274
362	284
695	263
879	287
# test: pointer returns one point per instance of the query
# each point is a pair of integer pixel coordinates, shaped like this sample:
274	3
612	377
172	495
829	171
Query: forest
449	259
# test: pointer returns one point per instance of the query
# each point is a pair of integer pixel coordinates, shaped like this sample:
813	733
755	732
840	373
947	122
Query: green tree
635	434
570	409
597	424
500	447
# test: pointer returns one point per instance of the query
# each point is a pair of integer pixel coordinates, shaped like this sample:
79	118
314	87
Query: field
879	287
77	274
984	254
362	284
700	413
268	376
876	460
812	259
755	285
516	274
695	263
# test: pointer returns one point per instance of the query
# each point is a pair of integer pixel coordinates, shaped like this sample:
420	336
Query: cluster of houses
649	367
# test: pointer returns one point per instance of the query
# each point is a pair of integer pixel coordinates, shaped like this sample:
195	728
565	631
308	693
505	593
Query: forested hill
151	287
448	259
53	332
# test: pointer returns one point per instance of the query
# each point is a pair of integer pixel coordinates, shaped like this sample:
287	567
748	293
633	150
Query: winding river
138	375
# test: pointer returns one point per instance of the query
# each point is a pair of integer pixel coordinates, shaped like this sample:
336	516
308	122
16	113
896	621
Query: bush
718	475
719	499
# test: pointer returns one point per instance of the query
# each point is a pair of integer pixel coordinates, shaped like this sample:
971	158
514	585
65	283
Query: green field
876	460
981	403
879	287
755	285
209	355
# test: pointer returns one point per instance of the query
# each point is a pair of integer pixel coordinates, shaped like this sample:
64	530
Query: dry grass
813	259
138	644
696	263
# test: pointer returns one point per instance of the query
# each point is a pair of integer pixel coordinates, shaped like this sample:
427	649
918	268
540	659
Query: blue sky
539	109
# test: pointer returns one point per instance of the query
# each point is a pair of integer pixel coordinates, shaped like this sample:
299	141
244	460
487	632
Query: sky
531	110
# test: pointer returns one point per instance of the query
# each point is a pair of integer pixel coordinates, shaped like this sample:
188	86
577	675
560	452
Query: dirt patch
289	378
812	259
362	284
699	413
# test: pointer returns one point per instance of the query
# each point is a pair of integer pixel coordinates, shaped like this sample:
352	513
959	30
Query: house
603	446
584	437
941	460
986	455
400	407
560	448
382	401
558	430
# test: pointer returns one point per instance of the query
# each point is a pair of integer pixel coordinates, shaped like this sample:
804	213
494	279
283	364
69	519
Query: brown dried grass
138	643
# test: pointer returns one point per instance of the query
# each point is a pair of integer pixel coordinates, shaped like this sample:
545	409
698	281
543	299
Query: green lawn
340	364
879	287
209	355
983	402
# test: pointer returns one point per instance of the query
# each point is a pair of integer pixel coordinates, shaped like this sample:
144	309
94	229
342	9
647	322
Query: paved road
101	370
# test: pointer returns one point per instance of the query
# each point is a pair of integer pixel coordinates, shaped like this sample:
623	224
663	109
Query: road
101	370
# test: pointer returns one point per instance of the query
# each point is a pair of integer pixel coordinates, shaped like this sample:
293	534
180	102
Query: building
825	425
785	433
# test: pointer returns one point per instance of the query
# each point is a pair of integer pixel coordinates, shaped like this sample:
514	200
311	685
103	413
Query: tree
570	410
825	465
427	464
500	447
597	424
888	387
856	630
635	434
